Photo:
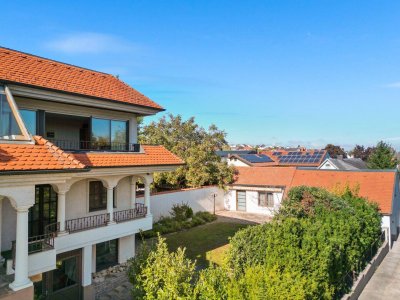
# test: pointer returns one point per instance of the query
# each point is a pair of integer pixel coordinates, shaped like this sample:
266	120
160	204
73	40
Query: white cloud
395	85
88	43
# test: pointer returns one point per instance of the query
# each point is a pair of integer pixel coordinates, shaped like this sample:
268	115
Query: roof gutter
28	172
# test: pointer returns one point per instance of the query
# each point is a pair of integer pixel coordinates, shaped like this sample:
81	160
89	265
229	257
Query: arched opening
8	221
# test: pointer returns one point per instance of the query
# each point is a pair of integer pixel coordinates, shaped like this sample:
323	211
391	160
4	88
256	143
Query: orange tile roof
376	186
21	68
153	155
42	155
273	176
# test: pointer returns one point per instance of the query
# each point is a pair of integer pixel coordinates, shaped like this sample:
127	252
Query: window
118	135
265	199
109	134
29	118
106	254
98	196
8	123
101	133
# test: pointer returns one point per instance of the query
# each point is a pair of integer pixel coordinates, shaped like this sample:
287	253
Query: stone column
110	203
61	210
148	179
133	191
21	279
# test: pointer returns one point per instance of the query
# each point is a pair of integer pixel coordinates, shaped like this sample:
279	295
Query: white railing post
110	203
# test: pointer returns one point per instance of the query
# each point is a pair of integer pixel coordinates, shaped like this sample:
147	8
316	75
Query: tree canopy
361	152
334	151
383	157
195	145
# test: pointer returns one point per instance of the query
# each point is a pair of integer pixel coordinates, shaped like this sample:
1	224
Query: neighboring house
341	163
69	163
282	158
261	190
224	154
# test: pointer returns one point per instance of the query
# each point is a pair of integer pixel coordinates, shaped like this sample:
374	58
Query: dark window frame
102	196
267	199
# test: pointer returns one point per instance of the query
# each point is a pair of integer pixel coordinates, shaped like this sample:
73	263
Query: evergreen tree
383	157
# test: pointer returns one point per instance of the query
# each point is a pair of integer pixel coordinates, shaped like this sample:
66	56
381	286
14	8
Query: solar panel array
256	158
297	157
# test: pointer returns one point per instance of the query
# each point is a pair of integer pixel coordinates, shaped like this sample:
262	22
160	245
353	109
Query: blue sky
273	72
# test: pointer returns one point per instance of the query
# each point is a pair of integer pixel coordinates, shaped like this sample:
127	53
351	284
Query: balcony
76	145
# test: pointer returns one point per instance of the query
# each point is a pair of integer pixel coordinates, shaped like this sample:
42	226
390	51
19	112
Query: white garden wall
199	199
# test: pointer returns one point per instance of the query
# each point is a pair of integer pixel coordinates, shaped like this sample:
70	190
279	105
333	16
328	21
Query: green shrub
181	212
206	216
318	235
161	274
196	221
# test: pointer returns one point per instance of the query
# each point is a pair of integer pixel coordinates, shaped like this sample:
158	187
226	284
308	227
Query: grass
205	243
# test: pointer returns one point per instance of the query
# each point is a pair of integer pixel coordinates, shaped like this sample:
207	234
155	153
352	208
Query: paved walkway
241	217
385	283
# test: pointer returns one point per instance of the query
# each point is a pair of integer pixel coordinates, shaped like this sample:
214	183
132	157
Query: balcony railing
86	223
76	145
36	244
139	211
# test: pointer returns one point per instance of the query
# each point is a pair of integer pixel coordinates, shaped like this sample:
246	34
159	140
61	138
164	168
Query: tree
334	151
383	157
362	152
195	145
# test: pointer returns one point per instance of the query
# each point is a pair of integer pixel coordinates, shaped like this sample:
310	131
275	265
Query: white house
261	190
69	163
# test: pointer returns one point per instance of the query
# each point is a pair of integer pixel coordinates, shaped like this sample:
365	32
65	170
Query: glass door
44	211
65	281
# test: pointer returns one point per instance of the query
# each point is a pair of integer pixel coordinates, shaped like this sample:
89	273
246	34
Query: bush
317	235
206	216
181	212
160	274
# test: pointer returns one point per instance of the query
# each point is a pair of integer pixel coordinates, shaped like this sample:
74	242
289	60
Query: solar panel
256	158
276	153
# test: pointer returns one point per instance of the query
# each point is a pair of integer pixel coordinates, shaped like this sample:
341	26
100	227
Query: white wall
77	201
326	165
252	201
198	199
236	163
126	248
9	223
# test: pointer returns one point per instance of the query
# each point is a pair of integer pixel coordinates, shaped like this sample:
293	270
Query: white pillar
87	265
148	179
61	210
133	191
110	203
21	279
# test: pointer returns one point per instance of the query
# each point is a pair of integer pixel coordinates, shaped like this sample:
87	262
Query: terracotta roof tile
376	186
42	155
22	68
153	155
273	176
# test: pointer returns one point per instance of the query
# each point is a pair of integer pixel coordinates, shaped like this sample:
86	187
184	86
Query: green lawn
204	243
